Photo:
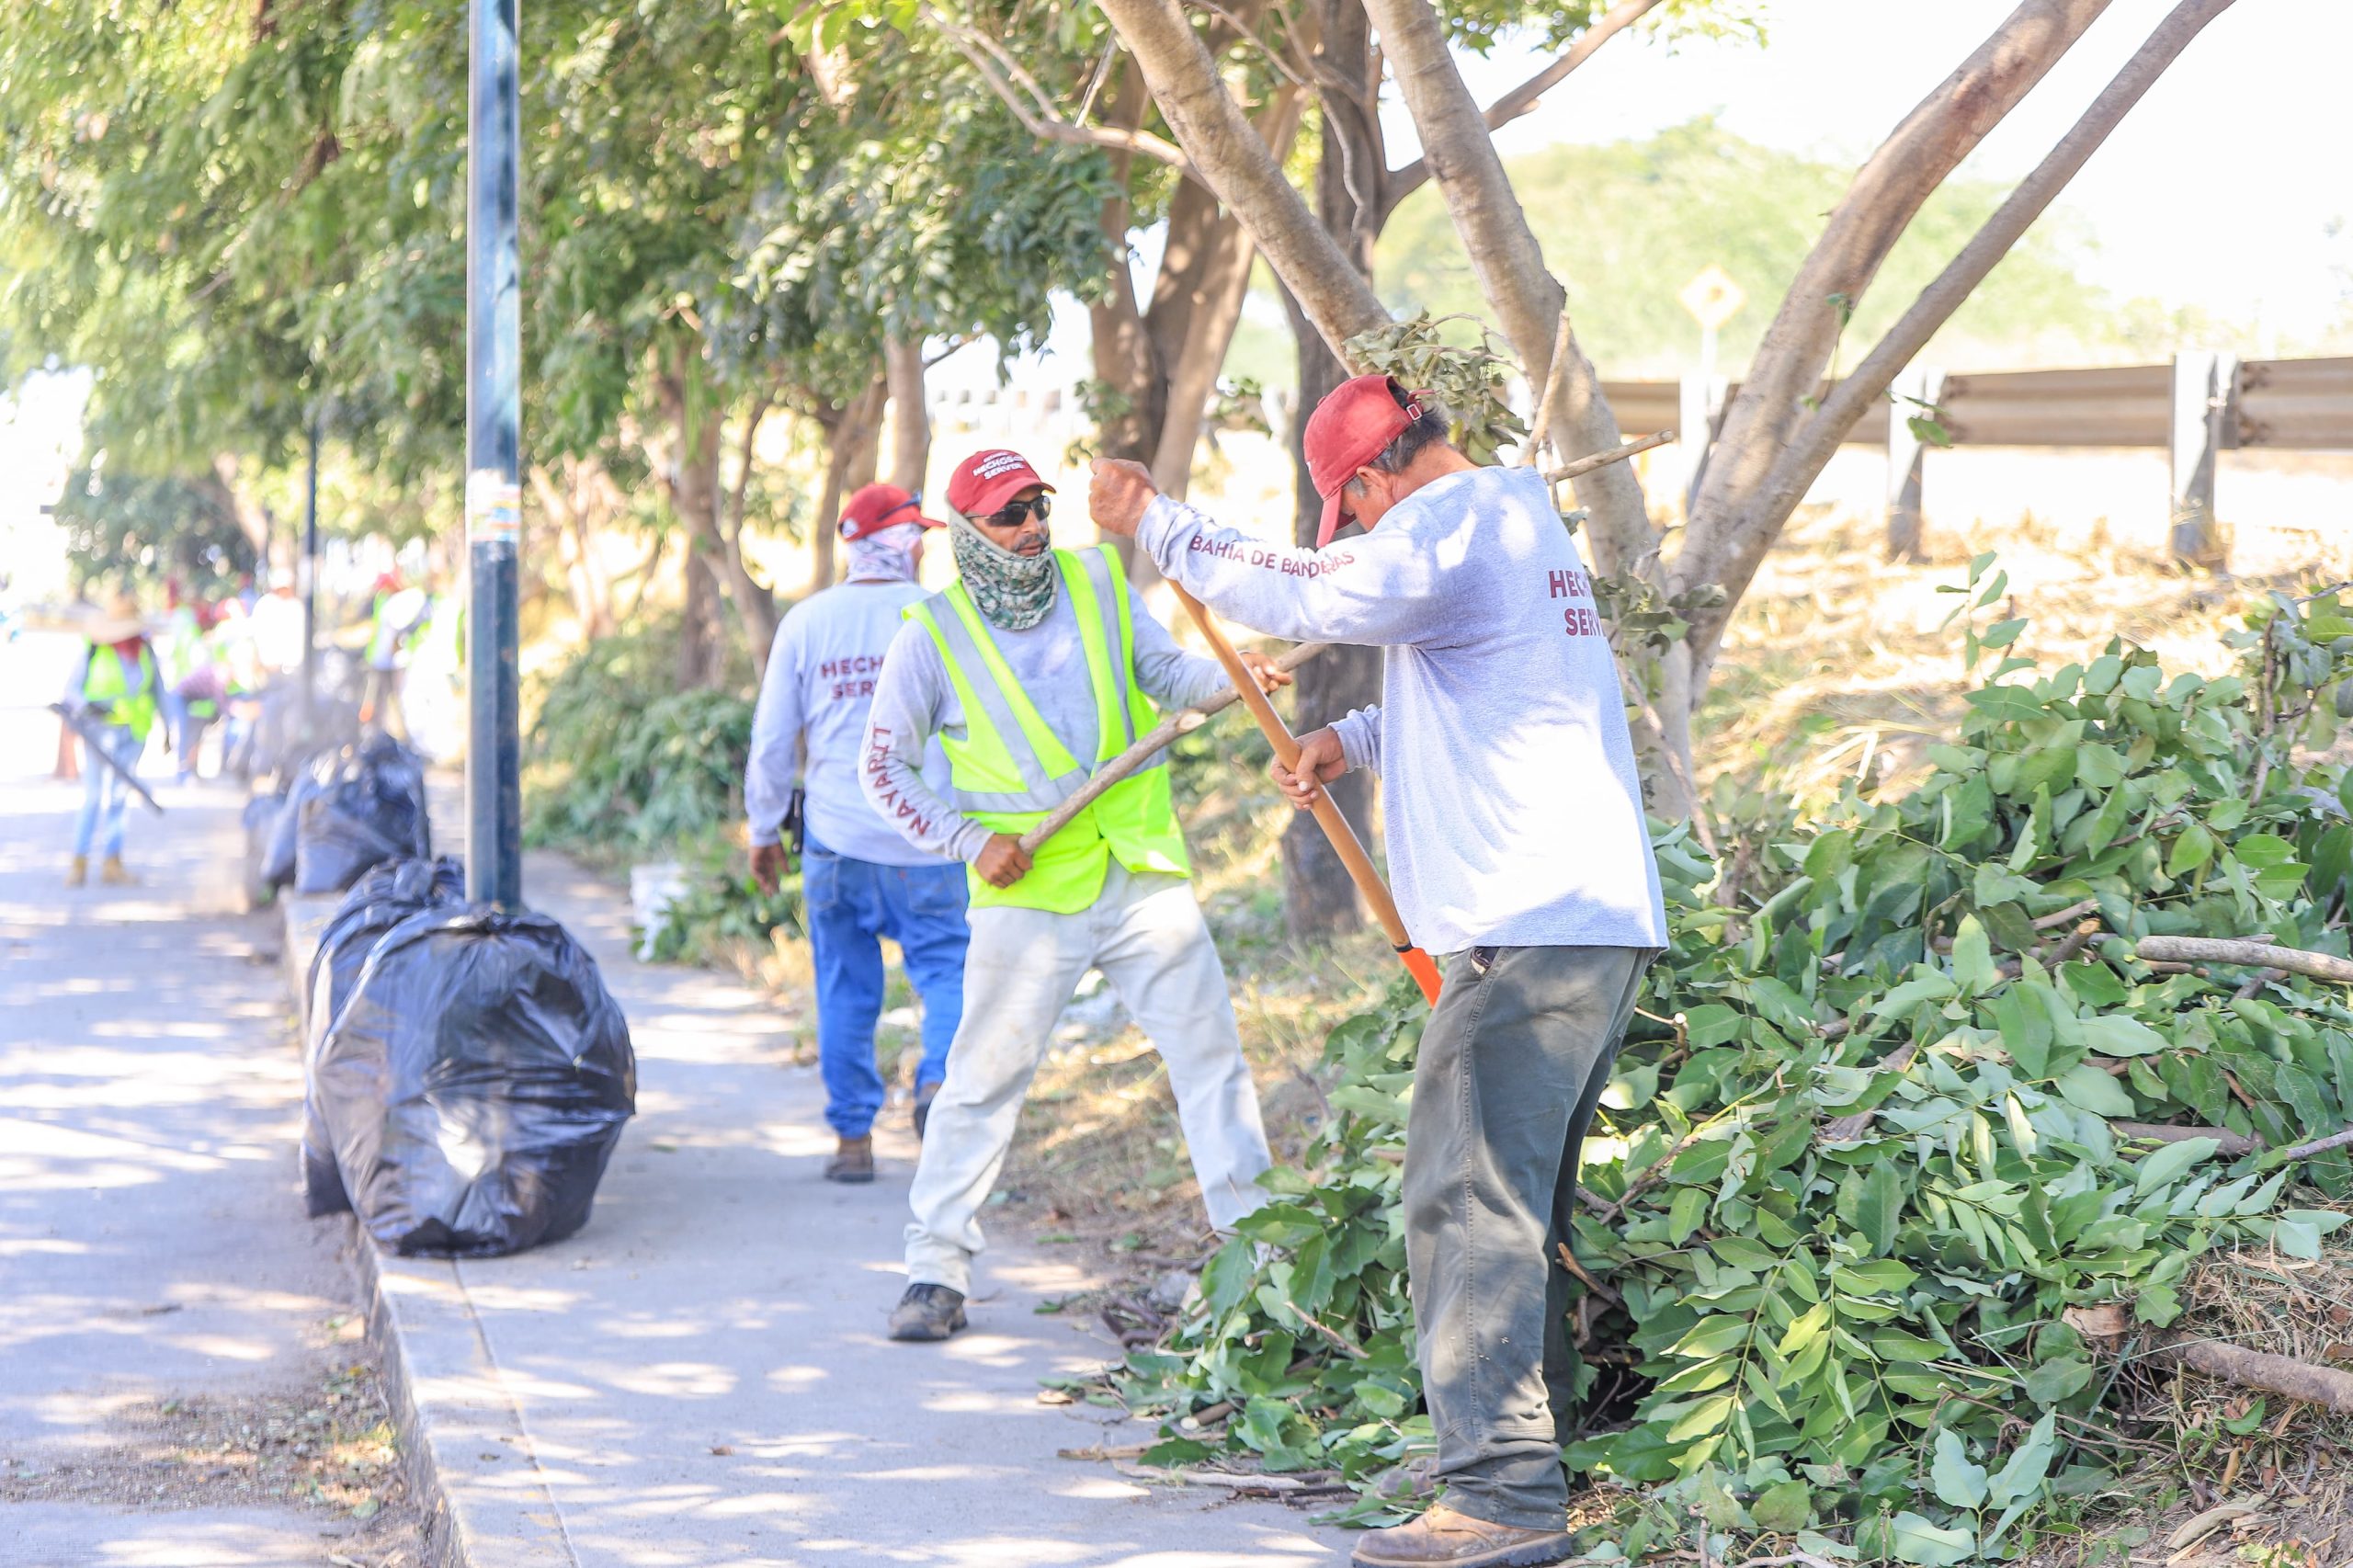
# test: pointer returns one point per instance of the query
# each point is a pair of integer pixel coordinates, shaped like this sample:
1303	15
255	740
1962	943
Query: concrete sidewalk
158	1279
702	1376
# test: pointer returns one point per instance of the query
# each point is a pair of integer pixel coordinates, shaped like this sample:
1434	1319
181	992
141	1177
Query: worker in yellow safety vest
1034	665
115	686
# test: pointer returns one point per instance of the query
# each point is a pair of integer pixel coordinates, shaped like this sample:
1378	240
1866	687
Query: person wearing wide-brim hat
115	687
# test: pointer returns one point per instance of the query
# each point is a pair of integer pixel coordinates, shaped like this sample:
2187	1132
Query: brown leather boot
1444	1538
78	873
853	1162
115	874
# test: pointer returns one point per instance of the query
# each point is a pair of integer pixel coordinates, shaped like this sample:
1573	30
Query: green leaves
1814	1313
1959	1483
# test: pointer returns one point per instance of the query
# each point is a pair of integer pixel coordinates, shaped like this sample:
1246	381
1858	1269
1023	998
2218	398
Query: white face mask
886	555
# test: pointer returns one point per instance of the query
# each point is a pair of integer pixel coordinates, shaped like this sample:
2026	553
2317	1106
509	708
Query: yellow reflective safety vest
1008	771
108	681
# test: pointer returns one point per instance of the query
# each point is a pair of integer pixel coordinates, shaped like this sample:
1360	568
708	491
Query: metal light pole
309	586
494	464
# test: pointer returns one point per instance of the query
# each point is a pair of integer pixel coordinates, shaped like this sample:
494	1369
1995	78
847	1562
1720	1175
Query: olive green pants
1513	1061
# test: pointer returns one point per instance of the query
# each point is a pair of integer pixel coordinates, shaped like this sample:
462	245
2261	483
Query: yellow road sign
1713	297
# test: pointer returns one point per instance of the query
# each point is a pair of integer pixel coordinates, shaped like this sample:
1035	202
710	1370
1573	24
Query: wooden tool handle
1328	816
1182	722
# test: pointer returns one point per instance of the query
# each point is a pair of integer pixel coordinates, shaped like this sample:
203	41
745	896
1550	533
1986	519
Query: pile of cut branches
1893	1122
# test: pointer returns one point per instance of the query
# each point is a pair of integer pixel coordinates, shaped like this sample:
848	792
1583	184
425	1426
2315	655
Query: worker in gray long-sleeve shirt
1515	835
1033	666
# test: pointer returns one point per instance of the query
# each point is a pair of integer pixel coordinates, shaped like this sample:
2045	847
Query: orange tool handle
1327	811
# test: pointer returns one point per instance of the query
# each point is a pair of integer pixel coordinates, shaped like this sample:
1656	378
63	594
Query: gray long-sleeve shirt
1514	812
914	701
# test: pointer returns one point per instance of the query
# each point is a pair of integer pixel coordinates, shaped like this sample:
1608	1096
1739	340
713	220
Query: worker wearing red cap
1516	836
859	880
1036	665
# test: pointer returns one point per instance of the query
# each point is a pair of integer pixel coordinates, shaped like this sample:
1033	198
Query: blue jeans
104	796
848	906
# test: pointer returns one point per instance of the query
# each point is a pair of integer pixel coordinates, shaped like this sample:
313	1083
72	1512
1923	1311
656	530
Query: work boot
78	873
925	1094
853	1162
927	1311
1444	1538
115	874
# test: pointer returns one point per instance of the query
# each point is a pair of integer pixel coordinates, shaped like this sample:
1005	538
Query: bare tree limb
1526	300
1037	115
2254	955
1235	162
1727	535
1403	182
1802	460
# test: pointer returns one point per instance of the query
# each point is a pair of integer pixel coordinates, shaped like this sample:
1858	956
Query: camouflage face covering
1011	590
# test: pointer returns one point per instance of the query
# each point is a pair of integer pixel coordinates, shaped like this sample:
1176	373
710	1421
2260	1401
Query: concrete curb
461	1436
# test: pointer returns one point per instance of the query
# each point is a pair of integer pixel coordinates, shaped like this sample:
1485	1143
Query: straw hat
117	621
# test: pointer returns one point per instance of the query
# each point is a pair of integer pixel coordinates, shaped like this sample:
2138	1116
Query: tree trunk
1247	175
852	441
252	517
1319	897
691	474
1196	299
568	506
909	419
1460	152
1818	437
1726	539
702	650
1127	368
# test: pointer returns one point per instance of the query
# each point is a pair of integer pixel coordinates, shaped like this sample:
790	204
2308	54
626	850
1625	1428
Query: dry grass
327	1449
1840	660
2221	1474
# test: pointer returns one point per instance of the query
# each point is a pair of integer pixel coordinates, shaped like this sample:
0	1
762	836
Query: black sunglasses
1014	515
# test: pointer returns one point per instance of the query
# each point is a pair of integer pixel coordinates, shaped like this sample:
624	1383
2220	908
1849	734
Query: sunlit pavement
702	1376
151	1244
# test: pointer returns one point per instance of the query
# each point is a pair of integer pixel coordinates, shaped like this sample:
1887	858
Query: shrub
1865	1149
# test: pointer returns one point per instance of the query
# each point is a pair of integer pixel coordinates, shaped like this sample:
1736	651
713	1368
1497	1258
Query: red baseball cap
985	481
1347	431
876	506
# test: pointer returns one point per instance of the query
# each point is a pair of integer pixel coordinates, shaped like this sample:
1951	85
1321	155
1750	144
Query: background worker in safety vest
184	657
115	685
395	616
1514	817
1033	666
859	881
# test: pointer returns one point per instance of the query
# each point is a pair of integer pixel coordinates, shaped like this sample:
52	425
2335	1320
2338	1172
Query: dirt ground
326	1449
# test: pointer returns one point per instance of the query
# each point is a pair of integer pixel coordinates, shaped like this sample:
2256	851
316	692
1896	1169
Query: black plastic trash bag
277	869
383	897
261	829
368	806
475	1084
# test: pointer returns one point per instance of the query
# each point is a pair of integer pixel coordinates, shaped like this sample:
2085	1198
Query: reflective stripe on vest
1009	769
108	681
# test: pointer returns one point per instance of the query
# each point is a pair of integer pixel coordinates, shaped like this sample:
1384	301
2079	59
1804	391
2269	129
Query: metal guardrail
2278	404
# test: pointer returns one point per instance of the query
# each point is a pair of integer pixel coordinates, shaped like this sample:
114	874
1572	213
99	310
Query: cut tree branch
2249	954
1403	182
